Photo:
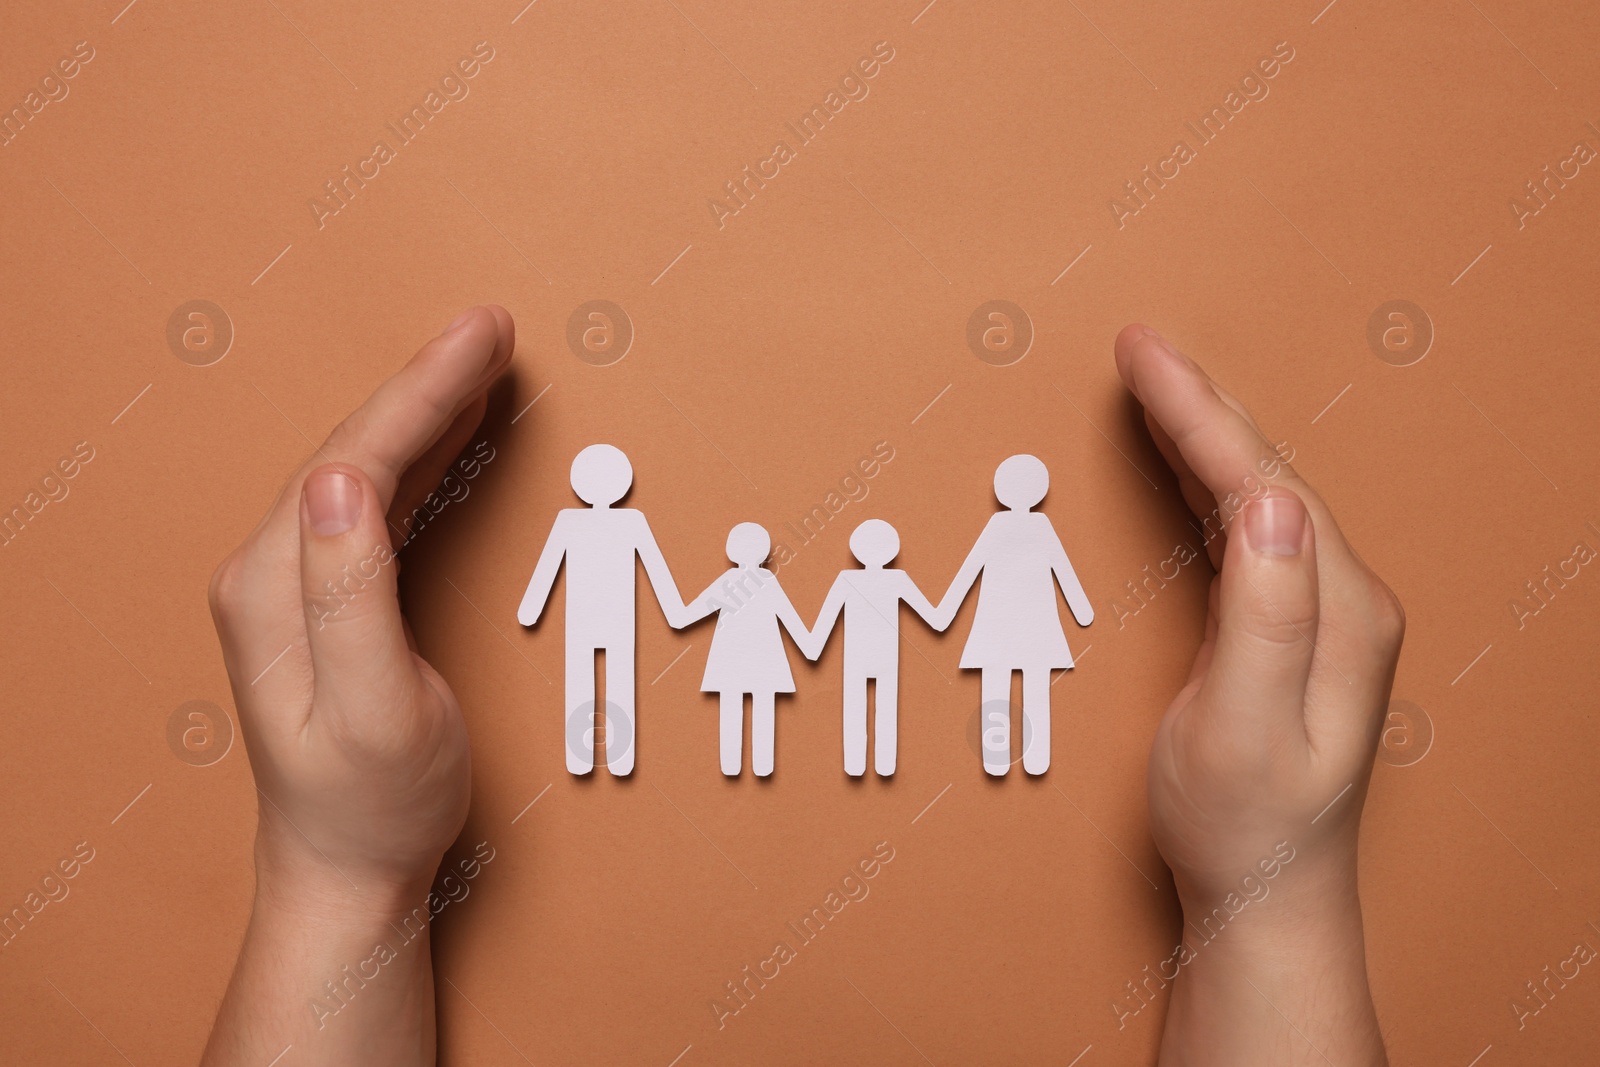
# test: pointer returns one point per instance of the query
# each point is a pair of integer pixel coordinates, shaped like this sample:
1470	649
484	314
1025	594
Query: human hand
1266	751
357	745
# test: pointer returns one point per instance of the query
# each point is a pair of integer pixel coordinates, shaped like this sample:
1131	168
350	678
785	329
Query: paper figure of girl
1018	625
747	656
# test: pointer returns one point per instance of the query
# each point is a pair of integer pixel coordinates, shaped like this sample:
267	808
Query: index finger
410	411
396	424
1218	444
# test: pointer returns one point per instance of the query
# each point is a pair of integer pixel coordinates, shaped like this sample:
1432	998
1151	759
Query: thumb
358	644
1267	625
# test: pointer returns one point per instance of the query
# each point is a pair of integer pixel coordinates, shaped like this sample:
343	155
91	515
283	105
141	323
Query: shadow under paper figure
599	544
1017	626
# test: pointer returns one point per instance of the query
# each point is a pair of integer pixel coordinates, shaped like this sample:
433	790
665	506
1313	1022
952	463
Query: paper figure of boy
599	543
870	600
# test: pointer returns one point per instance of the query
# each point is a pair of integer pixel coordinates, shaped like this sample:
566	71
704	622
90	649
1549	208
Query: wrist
1280	980
1304	914
1308	893
337	964
296	880
1298	944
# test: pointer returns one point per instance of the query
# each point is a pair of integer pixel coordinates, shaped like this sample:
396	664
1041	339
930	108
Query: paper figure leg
621	729
996	721
855	725
580	709
732	733
763	731
885	723
1036	720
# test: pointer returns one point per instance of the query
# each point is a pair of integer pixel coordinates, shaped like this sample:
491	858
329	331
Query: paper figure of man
870	600
599	544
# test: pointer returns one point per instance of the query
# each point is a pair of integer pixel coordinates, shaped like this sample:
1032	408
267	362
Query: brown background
769	357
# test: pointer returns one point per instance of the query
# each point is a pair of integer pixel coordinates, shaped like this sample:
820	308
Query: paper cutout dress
747	656
1017	626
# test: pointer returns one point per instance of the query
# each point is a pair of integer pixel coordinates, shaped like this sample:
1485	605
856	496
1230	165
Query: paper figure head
874	543
1021	482
749	545
601	475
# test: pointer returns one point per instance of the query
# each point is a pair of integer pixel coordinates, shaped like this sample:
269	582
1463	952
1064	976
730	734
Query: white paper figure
870	600
747	657
599	543
1017	626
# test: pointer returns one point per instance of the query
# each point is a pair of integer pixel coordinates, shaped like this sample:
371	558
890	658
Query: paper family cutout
1018	562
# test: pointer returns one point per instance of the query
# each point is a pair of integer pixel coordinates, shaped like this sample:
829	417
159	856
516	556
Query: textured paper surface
841	320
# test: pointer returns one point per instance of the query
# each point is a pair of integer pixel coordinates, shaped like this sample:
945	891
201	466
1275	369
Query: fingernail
333	501
1148	332
460	320
1276	524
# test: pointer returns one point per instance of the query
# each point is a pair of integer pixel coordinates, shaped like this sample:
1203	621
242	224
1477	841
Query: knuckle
225	592
1274	630
1278	622
1388	616
347	436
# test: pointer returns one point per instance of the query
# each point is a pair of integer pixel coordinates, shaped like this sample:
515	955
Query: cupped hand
357	745
1266	751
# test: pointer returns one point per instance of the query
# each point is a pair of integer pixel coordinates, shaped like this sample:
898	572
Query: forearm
342	973
1275	988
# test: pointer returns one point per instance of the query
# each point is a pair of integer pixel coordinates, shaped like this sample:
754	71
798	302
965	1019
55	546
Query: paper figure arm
666	590
1071	588
961	585
917	602
544	573
826	619
804	639
701	606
